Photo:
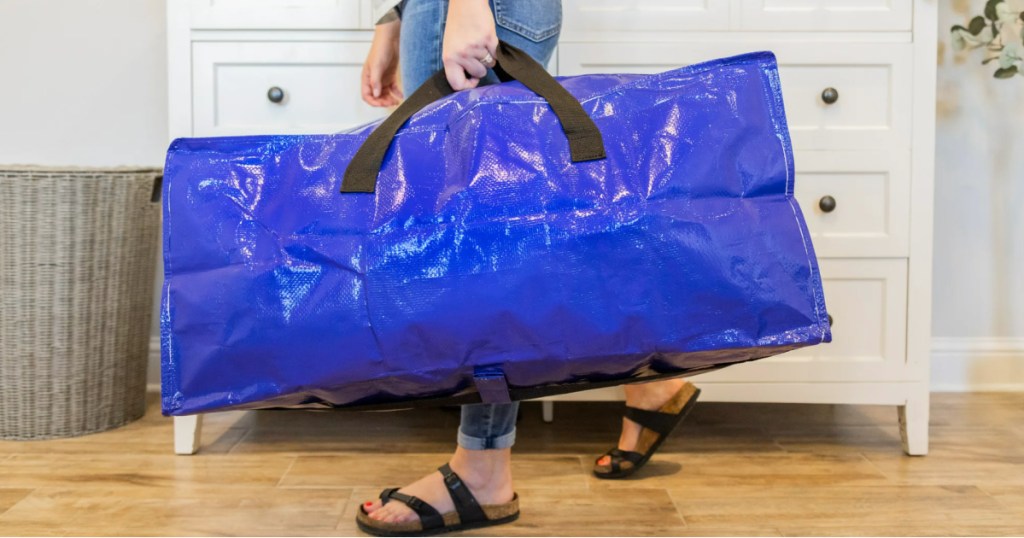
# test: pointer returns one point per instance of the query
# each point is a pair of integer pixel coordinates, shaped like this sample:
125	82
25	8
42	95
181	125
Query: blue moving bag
487	265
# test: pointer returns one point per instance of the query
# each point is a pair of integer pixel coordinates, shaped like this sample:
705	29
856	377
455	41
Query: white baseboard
958	364
977	364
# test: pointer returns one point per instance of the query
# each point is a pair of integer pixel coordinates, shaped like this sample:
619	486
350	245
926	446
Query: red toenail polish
369	503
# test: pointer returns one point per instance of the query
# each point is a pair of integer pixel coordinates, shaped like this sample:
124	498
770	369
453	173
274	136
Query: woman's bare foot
487	474
649	396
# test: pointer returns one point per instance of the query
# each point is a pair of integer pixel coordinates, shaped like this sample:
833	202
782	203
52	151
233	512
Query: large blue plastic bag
486	259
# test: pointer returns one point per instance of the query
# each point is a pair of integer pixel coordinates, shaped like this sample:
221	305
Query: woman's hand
469	39
380	71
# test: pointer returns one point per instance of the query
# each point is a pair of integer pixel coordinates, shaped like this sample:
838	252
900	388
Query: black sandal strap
627	455
617	456
465	503
662	423
430	518
385	495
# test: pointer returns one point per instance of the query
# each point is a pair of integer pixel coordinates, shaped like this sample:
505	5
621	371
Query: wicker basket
77	259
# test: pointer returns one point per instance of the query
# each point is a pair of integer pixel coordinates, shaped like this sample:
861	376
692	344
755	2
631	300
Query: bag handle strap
585	142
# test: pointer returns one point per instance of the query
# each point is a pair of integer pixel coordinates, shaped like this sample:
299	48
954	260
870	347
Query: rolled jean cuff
487	443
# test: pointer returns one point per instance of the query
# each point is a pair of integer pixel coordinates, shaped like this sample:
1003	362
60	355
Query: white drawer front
873	86
595	16
867	300
319	82
281	14
825	15
857	204
872	82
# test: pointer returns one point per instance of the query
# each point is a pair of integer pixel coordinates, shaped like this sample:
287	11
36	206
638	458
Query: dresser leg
186	434
914	424
547	409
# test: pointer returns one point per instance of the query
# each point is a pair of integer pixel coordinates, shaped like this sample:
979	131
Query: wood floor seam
19	494
291	465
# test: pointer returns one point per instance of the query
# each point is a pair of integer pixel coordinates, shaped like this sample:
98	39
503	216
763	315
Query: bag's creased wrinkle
483	247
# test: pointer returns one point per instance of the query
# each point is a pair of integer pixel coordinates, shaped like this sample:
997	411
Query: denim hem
487	443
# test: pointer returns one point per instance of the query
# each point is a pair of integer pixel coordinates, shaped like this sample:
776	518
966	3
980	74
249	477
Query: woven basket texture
77	260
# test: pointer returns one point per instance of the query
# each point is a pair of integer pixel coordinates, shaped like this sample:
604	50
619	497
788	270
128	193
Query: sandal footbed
649	439
496	514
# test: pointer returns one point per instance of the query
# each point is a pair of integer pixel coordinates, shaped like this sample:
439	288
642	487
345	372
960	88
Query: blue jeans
532	26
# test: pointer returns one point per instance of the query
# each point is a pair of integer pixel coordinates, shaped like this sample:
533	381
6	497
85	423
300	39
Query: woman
475	488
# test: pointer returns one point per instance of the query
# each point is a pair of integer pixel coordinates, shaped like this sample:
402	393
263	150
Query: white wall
83	82
979	224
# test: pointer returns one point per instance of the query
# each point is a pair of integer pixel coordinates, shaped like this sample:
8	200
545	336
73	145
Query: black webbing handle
585	143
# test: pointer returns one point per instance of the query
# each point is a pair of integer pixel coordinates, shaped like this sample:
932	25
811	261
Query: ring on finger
488	60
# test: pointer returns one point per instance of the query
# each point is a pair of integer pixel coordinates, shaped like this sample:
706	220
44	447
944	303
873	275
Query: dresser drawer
857	204
867	300
871	82
850	96
825	15
280	14
596	16
318	83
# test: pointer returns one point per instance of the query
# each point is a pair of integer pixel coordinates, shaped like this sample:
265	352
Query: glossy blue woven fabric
484	246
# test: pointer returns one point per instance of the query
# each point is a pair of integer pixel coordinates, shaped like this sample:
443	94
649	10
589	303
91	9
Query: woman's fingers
376	92
381	65
465	71
474	67
367	86
455	74
372	91
396	92
469	34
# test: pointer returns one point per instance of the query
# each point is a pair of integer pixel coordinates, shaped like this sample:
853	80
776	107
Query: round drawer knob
829	319
275	94
830	96
827	204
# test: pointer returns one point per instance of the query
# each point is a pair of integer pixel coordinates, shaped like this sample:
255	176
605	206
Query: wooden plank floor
731	469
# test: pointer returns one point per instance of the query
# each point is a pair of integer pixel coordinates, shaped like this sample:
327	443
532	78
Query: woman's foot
487	474
648	396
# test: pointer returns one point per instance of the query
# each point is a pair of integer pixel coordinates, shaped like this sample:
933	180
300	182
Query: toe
391	513
383	514
604	461
371	506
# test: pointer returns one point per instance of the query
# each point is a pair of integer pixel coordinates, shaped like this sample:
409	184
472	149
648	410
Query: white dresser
859	83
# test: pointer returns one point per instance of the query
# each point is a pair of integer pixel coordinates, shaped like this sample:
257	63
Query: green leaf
990	9
1007	72
976	26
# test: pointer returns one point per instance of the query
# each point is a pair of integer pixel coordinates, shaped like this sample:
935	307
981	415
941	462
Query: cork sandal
468	514
657	425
